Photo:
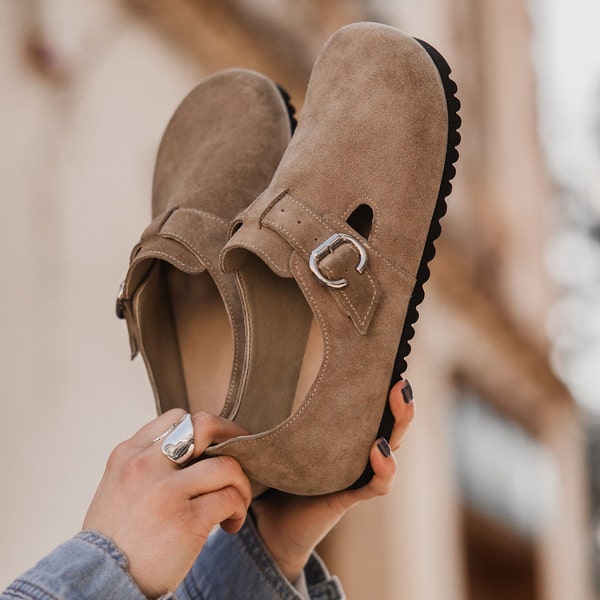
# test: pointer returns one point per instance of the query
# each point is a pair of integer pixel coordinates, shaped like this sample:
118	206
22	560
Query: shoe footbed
204	338
196	327
206	348
277	328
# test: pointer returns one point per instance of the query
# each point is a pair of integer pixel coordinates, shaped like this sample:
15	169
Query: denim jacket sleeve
87	566
236	566
230	567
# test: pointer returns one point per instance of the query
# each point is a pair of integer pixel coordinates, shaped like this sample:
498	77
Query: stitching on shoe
282	228
247	340
361	321
355	310
198	253
270	205
347	229
310	211
216	275
317	382
260	252
198	212
279	429
404	274
167	257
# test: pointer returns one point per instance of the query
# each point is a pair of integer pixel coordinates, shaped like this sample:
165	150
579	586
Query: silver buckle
327	247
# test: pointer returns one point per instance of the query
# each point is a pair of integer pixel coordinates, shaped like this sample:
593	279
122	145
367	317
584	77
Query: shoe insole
204	338
283	344
311	363
191	343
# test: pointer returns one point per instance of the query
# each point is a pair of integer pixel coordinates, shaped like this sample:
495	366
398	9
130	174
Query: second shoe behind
219	151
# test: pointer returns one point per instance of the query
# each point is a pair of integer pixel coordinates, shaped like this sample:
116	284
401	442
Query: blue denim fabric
87	566
230	567
239	567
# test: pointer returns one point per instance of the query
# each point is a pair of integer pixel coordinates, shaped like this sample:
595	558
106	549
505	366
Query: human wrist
291	567
289	557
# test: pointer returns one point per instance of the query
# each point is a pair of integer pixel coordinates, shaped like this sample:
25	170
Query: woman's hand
160	515
291	526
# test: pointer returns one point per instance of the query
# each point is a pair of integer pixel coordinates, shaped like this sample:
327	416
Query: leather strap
201	232
299	230
304	230
187	238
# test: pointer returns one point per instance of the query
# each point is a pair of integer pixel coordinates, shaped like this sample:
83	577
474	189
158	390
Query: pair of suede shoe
278	282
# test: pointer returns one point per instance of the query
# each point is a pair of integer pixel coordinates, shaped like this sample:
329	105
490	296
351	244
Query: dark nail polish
407	392
384	447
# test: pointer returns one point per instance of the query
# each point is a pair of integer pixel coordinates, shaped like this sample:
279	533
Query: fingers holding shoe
382	459
160	514
402	403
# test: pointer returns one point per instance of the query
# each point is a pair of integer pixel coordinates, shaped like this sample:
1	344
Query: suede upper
373	133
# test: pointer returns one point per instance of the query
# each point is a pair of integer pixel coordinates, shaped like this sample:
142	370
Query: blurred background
498	494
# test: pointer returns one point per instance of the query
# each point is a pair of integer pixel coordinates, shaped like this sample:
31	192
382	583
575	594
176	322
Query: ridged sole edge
435	229
290	107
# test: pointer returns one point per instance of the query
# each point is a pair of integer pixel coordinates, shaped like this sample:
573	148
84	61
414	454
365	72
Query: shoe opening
361	220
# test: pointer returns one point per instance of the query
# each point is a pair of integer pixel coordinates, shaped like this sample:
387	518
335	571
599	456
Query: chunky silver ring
178	441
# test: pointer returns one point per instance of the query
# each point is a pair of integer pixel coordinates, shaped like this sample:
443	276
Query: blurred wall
86	93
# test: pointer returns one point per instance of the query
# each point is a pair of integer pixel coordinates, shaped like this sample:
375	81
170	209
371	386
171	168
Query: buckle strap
327	247
337	259
189	239
201	232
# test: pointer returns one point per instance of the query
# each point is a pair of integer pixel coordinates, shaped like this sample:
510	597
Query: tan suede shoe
331	259
218	153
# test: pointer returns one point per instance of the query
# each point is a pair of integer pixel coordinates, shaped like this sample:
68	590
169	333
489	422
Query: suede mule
219	151
331	259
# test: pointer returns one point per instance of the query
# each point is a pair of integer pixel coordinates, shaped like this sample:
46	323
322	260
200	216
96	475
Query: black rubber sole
412	314
290	107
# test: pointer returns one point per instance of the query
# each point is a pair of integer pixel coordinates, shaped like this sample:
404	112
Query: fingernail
407	392
384	447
